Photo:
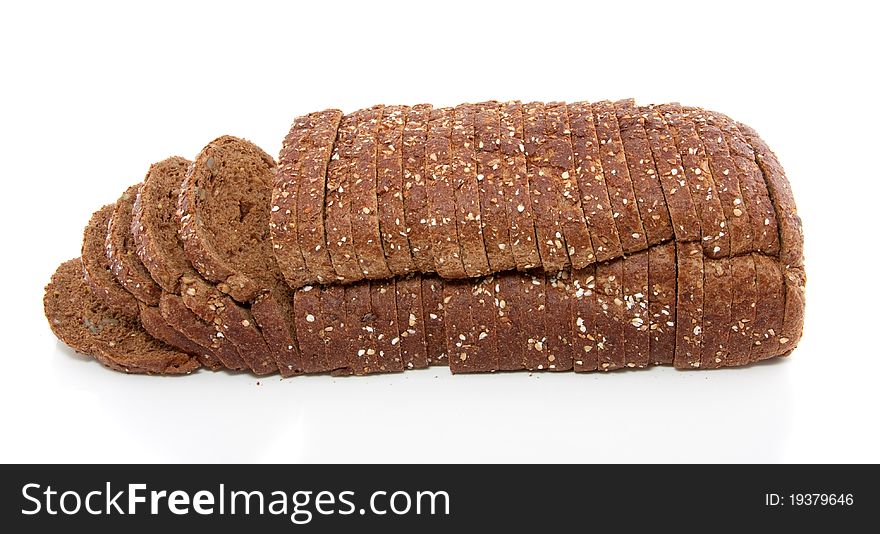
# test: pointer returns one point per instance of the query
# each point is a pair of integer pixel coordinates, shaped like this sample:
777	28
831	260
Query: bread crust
689	306
559	351
389	189
610	317
435	329
445	238
96	266
717	309
121	252
467	193
411	321
662	307
415	199
636	333
583	319
337	212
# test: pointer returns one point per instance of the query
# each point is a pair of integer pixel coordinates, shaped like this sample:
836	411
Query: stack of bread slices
484	237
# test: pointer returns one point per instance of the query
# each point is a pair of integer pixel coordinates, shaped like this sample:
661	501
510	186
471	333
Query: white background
91	94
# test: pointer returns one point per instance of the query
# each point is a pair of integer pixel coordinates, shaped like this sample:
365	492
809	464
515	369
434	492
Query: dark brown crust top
415	200
590	176
493	194
467	194
121	251
96	267
154	223
653	209
218	235
311	196
337	212
85	324
389	188
364	203
514	177
620	188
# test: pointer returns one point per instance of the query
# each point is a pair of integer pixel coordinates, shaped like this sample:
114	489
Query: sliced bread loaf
83	321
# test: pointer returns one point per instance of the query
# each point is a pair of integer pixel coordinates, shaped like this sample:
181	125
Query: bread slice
558	296
435	329
724	174
610	316
223	212
310	323
756	196
590	177
364	353
713	225
670	172
337	338
415	199
514	178
384	308
651	202
156	325
583	319
82	321
662	275
337	212
484	313
364	203
717	305
620	188
311	196
561	162
493	194
744	298
511	323
411	321
636	333
689	306
545	194
791	238
469	308
273	313
769	309
534	290
467	193
441	196
154	223
182	319
121	251
96	266
389	188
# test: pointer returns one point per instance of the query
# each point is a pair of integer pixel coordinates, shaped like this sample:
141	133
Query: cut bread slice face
154	223
156	325
84	322
96	266
121	251
223	212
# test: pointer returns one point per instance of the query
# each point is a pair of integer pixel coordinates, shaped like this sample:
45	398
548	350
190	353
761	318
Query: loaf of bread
484	237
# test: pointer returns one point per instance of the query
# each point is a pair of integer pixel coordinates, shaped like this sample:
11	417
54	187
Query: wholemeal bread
337	212
514	177
83	322
713	226
651	202
620	188
389	190
636	335
154	223
583	319
545	194
223	212
121	251
561	161
658	234
493	193
96	266
590	174
415	199
311	196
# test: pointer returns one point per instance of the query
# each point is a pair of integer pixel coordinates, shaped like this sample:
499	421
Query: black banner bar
403	498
